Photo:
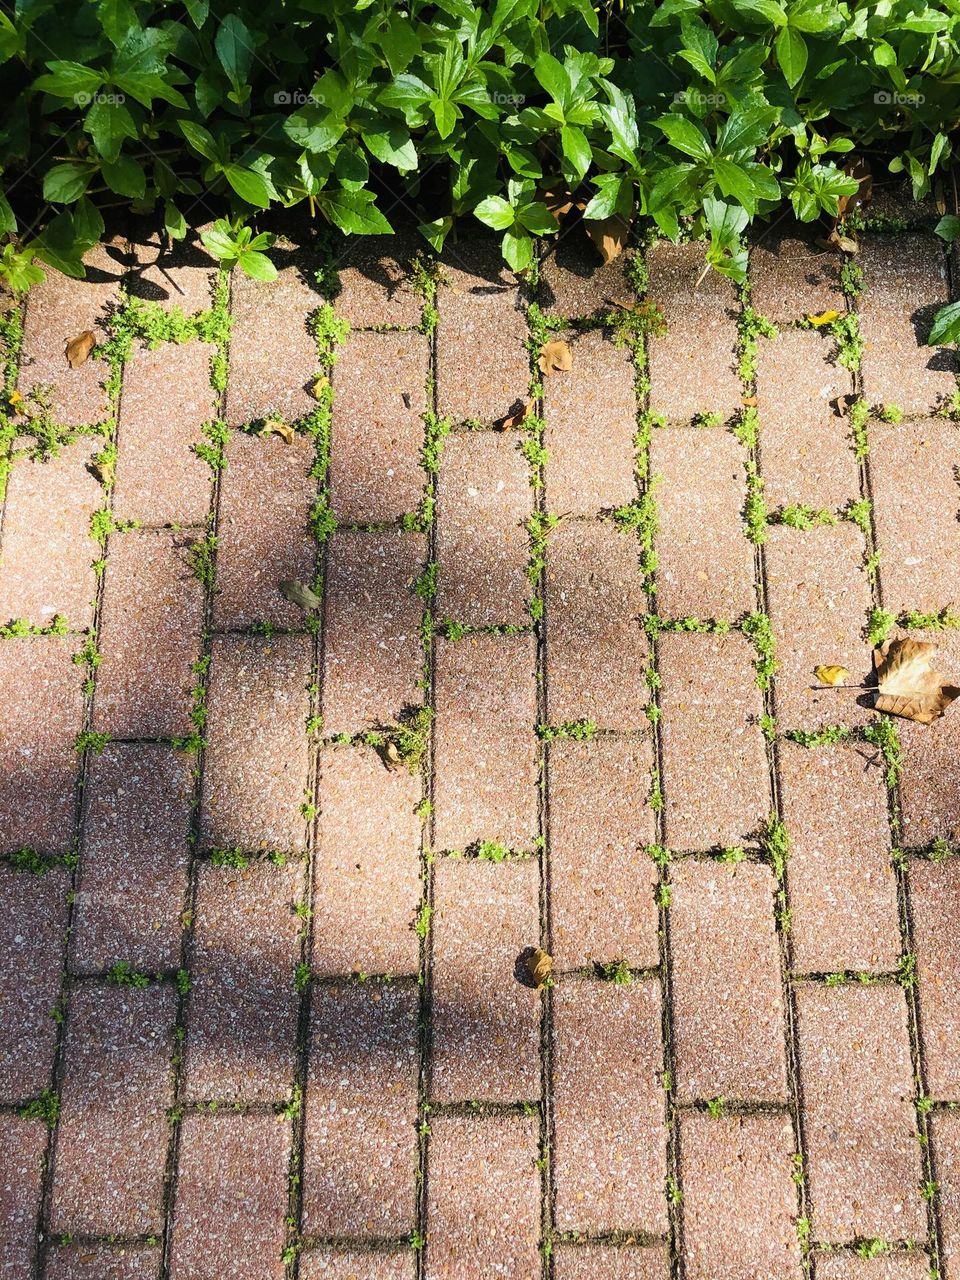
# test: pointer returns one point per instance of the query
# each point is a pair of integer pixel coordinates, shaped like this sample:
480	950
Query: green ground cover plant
698	116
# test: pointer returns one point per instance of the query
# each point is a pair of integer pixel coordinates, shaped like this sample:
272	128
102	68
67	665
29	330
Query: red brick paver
930	781
22	1144
934	906
323	1264
849	1266
792	277
945	1133
103	1262
376	286
611	1262
574	282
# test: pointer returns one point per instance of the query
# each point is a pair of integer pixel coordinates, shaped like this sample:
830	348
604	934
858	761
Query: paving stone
360	1155
602	883
934	909
791	277
150	636
596	646
273	356
366	868
133	859
591	420
693	366
843	893
739	1203
806	452
43	706
485	769
373	655
818	600
893	198
375	280
22	1145
906	284
945	1134
705	565
486	1012
160	479
930	778
182	276
103	1262
483	1198
728	1010
231	1198
33	912
862	1156
243	1010
717	790
611	1262
574	280
482	362
849	1266
59	309
919	540
257	759
483	547
263	534
113	1133
379	396
610	1137
322	1264
46	565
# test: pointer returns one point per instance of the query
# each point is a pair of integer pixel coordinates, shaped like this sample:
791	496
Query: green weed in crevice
577	730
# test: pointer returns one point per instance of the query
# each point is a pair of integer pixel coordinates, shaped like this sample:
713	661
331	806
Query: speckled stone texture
739	1203
930	778
793	277
716	784
906	284
705	563
360	1153
263	533
840	879
159	477
862	1157
574	280
818	600
591	416
243	1009
728	1011
596	646
113	1133
47	551
182	275
256	761
366	868
231	1198
60	309
483	1198
693	365
609	1152
934	907
379	395
601	880
41	696
945	1134
103	1262
33	924
610	1262
849	1266
486	1012
150	636
806	452
485	747
352	1264
916	495
134	853
482	361
375	280
273	356
483	547
372	655
22	1144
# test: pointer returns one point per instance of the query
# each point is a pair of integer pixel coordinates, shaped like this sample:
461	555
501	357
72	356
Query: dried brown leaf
319	385
539	966
907	684
78	349
277	427
609	235
390	755
561	202
520	411
556	357
860	170
300	594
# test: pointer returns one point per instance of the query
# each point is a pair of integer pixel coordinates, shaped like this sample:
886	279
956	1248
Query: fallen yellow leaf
277	427
831	675
823	318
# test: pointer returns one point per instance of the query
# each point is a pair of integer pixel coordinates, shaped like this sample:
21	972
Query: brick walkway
264	1005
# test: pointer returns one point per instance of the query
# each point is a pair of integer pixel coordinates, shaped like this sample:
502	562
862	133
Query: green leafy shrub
699	116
